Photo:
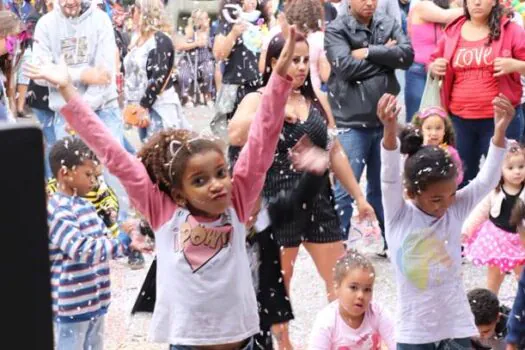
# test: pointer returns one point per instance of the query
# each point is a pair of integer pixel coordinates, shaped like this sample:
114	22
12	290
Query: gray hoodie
85	41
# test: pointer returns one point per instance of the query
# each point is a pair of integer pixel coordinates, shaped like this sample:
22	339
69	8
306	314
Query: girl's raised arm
256	156
143	193
391	183
490	172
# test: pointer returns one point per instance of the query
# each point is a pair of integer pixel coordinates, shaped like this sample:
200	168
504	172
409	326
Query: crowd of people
304	98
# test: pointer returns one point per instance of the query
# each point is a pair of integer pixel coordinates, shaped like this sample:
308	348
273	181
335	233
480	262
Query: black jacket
356	85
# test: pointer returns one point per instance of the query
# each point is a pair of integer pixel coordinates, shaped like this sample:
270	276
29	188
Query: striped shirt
103	198
79	252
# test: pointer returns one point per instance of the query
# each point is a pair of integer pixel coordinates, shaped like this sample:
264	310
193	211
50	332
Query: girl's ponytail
411	140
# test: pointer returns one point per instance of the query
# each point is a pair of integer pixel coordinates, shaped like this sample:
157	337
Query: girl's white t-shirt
426	253
193	272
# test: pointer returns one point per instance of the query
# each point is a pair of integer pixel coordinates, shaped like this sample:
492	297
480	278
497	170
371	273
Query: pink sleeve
440	49
479	215
144	195
257	154
321	333
385	326
518	42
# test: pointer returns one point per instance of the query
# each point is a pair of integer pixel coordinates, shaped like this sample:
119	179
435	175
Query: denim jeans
87	335
447	344
248	346
473	139
156	125
362	147
46	119
416	77
110	117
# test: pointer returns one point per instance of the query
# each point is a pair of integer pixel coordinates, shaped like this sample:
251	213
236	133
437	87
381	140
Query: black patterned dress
320	223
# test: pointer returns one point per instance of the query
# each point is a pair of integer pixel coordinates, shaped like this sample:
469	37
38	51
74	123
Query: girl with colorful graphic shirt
182	186
423	231
437	130
490	237
353	321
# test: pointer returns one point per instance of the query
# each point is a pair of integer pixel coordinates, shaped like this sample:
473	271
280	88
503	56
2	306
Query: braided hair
166	155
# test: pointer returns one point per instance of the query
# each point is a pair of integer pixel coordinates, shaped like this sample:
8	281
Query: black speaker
24	252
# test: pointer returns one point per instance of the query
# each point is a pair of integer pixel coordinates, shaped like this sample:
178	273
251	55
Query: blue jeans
110	117
473	139
46	119
156	125
362	147
87	335
248	346
416	77
447	344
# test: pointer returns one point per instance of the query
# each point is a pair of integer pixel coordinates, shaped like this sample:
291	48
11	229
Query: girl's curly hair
450	134
351	260
496	14
166	155
307	15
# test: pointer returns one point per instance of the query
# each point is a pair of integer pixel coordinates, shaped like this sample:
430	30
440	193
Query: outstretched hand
307	157
56	74
285	59
388	110
503	112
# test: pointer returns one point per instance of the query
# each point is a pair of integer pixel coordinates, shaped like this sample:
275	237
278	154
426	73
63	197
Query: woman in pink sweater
182	186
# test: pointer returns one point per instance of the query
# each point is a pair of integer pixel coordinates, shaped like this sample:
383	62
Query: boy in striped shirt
80	248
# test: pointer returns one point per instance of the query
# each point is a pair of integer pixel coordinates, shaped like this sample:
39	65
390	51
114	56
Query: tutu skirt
492	246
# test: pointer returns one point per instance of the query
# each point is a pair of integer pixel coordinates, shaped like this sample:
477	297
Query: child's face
78	180
514	169
355	292
206	184
433	129
487	331
249	5
437	198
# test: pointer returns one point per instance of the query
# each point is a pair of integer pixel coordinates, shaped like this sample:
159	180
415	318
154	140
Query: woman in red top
480	56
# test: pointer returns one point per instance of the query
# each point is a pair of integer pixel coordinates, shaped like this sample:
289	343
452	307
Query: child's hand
309	158
387	111
56	74
503	114
140	243
285	59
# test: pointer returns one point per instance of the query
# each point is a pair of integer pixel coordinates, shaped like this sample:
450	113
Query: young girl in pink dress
437	130
490	237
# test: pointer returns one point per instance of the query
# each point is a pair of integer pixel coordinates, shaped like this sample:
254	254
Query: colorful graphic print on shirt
366	342
423	259
200	244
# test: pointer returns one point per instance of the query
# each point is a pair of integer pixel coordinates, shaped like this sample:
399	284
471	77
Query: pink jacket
511	44
250	170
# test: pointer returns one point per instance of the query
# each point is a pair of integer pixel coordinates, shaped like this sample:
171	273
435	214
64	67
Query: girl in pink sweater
353	321
182	186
